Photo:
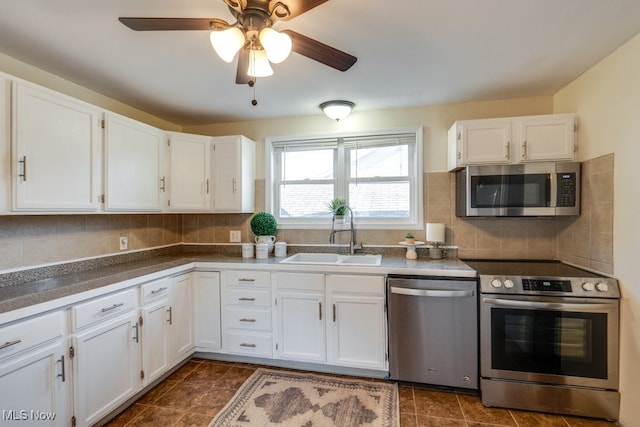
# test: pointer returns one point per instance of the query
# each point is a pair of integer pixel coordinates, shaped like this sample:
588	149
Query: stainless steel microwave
529	189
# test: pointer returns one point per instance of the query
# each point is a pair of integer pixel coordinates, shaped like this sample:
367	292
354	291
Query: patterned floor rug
280	398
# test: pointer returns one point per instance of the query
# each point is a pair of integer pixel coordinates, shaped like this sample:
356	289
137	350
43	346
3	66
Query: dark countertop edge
69	288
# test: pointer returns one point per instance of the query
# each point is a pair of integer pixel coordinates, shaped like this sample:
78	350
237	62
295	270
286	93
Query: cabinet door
356	327
189	173
5	144
106	367
133	165
206	300
485	141
300	314
233	160
56	151
181	319
301	330
549	137
34	388
154	333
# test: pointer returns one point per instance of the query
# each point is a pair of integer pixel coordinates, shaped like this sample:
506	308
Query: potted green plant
409	239
338	207
264	226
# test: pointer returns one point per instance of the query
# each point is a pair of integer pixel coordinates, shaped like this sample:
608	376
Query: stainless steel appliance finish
549	338
433	330
531	189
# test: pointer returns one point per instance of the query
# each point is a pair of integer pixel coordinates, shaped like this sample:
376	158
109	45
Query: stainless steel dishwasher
433	330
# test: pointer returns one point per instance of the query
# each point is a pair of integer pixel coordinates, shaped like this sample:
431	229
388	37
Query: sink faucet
352	242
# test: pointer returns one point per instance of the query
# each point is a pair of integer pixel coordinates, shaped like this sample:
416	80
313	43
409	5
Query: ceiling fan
252	36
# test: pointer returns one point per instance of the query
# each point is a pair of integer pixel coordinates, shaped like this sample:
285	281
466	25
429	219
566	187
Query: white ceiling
410	52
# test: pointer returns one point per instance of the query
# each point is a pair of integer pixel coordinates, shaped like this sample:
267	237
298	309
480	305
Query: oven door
571	341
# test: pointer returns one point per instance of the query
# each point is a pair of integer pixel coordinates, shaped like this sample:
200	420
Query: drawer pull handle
136	338
244	344
170	311
246	299
244	319
113	307
62	373
157	291
246	280
9	344
24	168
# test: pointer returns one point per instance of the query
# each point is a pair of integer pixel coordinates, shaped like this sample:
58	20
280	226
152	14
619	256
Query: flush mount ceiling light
337	109
251	38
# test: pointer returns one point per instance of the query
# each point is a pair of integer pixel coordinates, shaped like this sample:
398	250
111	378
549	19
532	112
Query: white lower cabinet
357	328
246	313
181	336
34	380
154	329
106	367
206	300
300	317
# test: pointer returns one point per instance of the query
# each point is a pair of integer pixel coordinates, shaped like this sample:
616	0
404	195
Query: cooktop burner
541	277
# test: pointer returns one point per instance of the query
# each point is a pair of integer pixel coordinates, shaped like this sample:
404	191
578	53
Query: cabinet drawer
155	291
29	333
256	279
249	344
300	281
371	285
249	297
103	308
250	319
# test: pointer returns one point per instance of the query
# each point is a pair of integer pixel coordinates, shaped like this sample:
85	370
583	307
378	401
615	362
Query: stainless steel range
548	338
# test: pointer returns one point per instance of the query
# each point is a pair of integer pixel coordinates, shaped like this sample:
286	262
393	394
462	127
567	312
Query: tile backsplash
586	240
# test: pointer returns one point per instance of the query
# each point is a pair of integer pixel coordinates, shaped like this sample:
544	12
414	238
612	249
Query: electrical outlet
124	242
235	236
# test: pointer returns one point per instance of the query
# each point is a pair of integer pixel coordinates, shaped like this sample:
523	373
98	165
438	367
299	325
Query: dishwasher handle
438	293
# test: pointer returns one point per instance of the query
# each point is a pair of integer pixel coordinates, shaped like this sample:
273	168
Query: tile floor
192	395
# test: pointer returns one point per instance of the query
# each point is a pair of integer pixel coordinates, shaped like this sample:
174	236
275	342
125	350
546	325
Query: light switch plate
124	242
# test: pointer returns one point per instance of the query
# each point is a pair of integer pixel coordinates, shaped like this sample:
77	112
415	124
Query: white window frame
413	222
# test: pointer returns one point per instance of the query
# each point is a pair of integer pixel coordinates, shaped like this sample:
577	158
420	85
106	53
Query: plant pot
269	240
410	240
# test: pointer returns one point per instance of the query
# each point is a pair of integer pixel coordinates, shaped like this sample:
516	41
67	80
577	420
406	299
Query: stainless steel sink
333	259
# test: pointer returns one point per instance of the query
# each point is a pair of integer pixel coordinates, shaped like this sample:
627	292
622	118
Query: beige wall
607	100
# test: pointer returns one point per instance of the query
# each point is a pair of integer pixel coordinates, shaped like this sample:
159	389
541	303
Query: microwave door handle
549	305
553	193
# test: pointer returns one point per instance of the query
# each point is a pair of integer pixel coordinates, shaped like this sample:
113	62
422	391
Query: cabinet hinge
386	357
102	125
276	346
459	135
73	421
72	352
141	375
168	202
575	127
140	320
102	198
275	301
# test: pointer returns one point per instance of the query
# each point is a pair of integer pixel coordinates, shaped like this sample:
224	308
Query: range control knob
496	283
588	286
508	283
602	287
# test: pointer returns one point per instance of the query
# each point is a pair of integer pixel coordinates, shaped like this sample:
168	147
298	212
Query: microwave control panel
566	189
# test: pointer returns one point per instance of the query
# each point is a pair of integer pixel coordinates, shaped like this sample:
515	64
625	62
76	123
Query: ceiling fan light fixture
259	64
337	109
277	45
227	42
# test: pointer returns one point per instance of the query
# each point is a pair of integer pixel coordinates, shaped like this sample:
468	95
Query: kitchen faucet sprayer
332	236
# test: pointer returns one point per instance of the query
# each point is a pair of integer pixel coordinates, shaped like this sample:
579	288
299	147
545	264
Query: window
378	174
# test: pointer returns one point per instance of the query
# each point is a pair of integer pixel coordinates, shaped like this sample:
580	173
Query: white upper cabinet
133	177
56	145
549	137
5	144
233	164
189	182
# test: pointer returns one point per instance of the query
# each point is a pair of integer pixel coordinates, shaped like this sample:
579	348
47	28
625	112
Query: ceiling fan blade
320	52
296	7
173	24
242	78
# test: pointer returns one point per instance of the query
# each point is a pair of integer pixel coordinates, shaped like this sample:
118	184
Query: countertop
68	288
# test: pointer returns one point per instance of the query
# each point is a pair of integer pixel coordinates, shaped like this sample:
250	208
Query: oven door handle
549	305
441	293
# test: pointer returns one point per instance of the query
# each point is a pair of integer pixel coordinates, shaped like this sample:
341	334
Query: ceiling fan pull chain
254	101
